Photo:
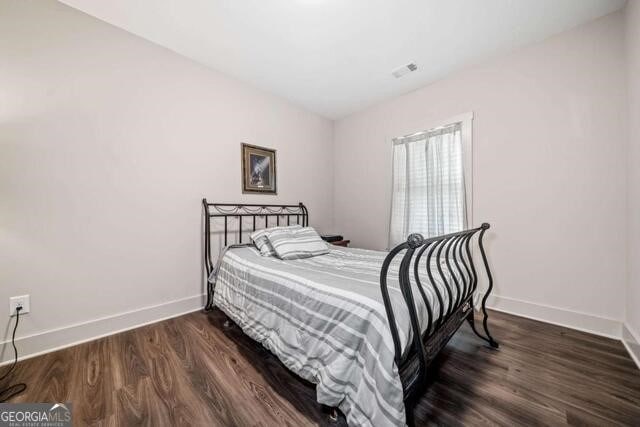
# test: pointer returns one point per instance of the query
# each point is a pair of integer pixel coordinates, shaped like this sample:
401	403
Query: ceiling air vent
405	69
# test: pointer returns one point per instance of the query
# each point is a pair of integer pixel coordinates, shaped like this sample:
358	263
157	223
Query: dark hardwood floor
194	370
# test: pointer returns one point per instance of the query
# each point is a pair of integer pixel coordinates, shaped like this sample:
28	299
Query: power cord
14	389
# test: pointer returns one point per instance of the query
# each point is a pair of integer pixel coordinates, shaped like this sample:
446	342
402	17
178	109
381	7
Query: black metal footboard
445	260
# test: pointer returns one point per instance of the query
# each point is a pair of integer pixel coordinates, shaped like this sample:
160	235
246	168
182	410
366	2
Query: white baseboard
66	336
631	341
610	328
59	338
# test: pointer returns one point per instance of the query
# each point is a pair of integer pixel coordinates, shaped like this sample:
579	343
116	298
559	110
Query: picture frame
258	170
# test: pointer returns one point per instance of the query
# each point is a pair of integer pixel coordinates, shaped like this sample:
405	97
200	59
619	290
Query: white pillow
297	243
259	238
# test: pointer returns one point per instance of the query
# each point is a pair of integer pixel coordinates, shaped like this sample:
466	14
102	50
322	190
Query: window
429	194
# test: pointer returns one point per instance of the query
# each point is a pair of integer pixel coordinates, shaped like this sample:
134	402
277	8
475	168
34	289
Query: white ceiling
335	57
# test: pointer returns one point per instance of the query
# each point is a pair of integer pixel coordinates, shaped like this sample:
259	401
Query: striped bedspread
324	318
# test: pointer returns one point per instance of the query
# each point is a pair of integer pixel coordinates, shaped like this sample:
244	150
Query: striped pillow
259	238
298	243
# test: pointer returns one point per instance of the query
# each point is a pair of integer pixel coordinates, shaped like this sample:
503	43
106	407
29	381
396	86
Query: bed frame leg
409	408
489	339
209	305
493	343
332	413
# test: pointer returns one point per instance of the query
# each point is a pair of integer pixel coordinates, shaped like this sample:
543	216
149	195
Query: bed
362	325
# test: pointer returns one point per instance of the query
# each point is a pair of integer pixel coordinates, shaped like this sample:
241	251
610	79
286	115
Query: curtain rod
418	135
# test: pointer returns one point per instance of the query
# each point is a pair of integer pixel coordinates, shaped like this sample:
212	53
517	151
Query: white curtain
428	184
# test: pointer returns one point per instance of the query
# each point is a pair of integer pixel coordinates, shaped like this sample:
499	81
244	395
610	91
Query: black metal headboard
255	216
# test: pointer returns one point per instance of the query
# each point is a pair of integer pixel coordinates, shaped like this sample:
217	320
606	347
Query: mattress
325	319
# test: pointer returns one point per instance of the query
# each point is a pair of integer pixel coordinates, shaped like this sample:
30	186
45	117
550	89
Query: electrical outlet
19	301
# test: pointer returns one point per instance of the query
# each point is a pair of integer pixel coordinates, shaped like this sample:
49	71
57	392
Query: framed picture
258	170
